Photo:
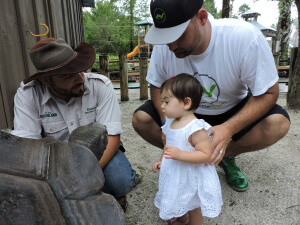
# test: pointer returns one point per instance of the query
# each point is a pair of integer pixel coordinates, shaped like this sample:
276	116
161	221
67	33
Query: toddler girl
188	189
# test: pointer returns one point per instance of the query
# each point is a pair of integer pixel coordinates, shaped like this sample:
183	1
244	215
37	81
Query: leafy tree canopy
209	5
109	27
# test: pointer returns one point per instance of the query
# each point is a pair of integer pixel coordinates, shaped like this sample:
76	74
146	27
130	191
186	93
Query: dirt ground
273	196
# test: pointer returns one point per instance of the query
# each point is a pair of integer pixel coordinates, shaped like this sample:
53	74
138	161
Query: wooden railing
124	74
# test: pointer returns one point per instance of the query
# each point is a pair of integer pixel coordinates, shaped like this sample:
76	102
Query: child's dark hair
182	86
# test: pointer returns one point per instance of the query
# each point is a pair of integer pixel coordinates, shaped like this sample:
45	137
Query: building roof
144	22
250	13
88	3
268	32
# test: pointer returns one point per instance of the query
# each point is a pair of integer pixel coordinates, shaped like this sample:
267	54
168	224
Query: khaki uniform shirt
39	114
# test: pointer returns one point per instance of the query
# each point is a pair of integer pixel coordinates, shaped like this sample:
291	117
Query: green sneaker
234	177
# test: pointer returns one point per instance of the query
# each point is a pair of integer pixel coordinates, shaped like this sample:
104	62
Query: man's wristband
163	122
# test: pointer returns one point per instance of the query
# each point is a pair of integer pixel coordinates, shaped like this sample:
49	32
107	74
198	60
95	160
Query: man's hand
221	139
171	152
156	166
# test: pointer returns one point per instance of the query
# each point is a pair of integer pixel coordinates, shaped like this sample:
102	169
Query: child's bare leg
196	217
183	220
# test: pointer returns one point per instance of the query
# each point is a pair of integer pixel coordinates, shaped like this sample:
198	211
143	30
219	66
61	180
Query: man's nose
172	46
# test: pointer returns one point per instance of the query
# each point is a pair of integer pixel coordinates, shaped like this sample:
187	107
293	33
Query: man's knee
139	119
278	125
265	133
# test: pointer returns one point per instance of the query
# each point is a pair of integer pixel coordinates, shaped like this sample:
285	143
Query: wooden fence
124	73
17	17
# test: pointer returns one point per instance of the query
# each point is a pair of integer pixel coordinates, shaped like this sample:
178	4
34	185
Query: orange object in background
133	53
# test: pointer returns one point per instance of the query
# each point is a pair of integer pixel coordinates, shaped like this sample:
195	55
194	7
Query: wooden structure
143	27
17	18
251	17
142	73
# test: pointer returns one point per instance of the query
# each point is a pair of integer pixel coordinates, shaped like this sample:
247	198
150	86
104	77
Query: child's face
171	106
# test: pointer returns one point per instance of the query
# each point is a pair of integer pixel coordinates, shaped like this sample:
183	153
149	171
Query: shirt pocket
87	119
56	129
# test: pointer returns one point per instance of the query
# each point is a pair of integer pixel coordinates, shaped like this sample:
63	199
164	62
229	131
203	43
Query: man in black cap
235	66
60	97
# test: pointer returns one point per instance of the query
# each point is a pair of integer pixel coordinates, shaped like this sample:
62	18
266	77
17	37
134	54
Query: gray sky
268	10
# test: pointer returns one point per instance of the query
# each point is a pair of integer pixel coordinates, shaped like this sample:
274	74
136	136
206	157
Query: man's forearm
111	149
255	108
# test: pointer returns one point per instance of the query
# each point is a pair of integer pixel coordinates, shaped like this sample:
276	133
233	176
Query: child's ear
187	103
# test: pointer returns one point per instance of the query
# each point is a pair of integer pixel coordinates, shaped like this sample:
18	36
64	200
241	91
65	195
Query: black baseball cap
171	18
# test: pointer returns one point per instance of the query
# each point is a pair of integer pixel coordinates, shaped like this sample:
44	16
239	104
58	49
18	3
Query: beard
192	47
75	91
182	53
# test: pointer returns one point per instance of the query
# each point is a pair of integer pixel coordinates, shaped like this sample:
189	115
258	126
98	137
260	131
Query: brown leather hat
53	56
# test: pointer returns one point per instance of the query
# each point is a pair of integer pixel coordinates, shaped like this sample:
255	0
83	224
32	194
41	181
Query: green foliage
243	8
284	29
209	5
109	27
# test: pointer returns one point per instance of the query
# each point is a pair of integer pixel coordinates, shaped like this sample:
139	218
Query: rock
93	136
27	201
50	182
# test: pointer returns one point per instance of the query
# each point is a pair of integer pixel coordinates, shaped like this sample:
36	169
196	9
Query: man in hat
60	97
235	66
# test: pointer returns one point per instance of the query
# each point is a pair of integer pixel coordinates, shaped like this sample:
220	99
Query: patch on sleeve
29	84
103	78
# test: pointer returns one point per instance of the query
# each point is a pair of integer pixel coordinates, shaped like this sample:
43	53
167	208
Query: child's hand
156	166
171	152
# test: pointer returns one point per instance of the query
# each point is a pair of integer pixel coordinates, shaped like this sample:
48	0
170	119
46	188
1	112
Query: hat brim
161	36
84	60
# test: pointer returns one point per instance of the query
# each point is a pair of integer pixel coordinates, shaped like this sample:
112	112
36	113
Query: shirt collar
47	94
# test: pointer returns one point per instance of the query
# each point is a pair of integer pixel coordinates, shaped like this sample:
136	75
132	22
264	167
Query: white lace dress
185	186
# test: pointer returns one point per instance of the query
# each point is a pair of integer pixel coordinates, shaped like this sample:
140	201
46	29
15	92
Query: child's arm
202	153
156	166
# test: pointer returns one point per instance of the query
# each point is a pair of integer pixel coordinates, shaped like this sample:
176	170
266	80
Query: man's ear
202	15
187	103
45	81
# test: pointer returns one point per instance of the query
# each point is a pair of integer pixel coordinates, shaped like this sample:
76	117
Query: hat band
59	66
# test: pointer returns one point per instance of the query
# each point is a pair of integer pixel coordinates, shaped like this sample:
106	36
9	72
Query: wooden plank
3	122
65	21
143	73
80	22
283	81
27	22
12	70
283	67
123	77
71	24
56	16
41	16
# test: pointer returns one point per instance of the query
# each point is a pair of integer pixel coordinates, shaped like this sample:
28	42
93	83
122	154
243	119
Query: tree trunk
284	29
131	9
226	9
293	95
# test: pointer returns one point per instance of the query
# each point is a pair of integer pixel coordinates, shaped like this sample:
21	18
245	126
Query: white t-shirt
238	57
39	114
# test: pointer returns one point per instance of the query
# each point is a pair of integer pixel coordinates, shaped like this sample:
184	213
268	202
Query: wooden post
123	77
143	73
103	63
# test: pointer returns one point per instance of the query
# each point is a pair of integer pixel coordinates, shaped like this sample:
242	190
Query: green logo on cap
160	15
